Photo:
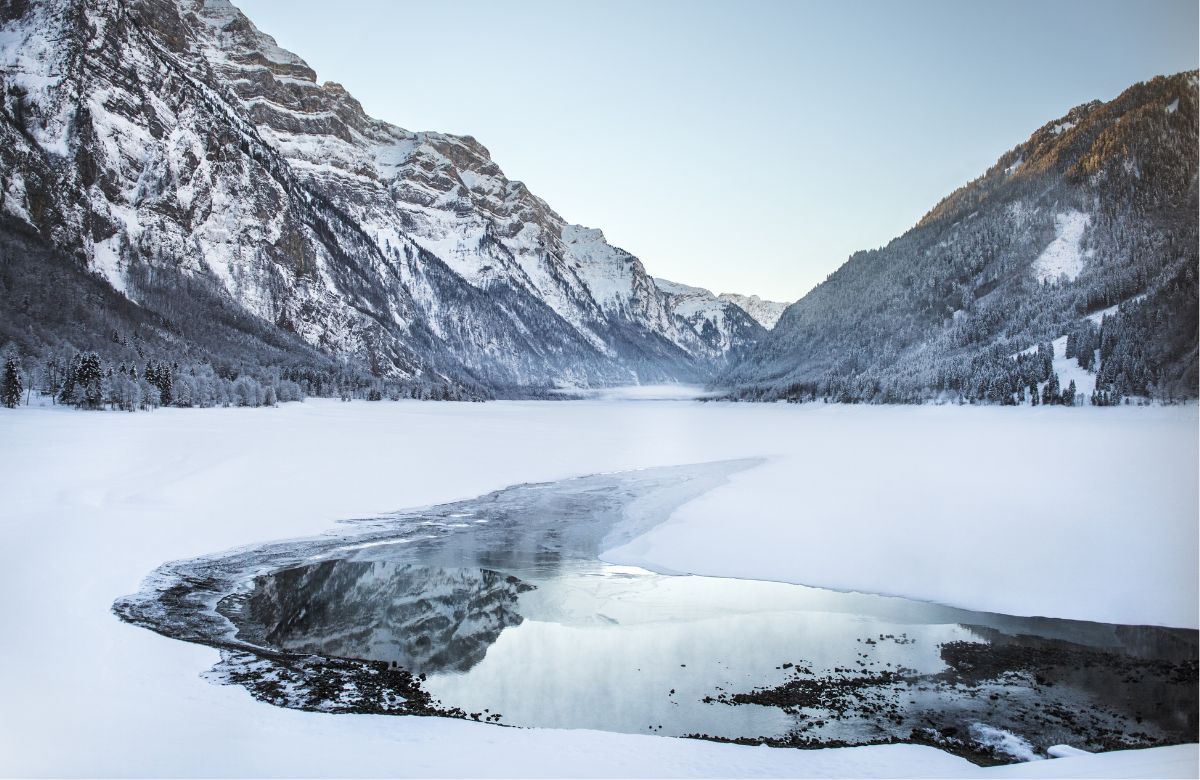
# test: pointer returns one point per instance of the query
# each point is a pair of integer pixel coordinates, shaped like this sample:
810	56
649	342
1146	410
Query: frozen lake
1084	514
497	609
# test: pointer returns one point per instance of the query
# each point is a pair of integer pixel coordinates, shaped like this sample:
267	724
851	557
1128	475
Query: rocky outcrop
724	327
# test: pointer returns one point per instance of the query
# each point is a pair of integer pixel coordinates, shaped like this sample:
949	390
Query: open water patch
498	609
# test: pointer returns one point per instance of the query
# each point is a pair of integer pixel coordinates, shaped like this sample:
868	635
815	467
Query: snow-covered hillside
168	138
726	328
1095	209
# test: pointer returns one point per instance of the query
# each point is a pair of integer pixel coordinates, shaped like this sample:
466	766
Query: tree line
86	380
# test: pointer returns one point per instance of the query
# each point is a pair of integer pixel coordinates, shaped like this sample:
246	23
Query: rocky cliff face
160	140
765	313
727	329
1085	234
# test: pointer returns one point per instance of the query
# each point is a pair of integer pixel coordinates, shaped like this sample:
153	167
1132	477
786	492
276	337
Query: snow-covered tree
86	382
10	391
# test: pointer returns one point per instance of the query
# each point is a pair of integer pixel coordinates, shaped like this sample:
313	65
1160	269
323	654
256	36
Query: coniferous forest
950	309
68	335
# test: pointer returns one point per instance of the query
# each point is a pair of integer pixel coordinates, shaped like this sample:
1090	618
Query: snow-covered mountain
170	143
724	326
765	313
1077	248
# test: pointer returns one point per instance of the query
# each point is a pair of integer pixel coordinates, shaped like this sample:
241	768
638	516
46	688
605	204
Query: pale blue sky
740	146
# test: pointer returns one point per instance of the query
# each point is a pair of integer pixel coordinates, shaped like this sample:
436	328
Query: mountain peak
1089	140
205	153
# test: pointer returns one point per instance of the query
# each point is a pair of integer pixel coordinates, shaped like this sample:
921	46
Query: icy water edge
498	609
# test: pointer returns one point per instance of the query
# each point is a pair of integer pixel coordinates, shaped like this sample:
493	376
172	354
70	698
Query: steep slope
52	305
727	329
1094	216
170	140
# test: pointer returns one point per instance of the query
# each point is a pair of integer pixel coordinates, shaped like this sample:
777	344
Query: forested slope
1088	231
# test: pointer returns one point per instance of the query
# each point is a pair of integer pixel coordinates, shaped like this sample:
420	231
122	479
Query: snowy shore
1081	513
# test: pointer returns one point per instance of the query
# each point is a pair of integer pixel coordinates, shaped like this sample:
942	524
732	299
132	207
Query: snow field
1064	256
1086	513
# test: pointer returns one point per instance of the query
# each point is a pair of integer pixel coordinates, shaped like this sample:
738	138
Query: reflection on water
551	640
498	608
420	618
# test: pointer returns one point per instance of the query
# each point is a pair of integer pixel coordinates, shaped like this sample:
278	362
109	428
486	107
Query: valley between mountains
176	188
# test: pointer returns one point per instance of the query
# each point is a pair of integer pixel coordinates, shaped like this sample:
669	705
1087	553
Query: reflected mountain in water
423	619
498	608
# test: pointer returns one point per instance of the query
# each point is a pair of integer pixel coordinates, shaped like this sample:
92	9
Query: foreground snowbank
1175	761
1069	512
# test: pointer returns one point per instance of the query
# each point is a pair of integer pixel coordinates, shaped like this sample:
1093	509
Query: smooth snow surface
1065	751
1085	513
1177	761
643	393
1064	256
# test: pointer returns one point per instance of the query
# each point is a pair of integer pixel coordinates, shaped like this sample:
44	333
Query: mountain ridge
176	151
152	138
1094	212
